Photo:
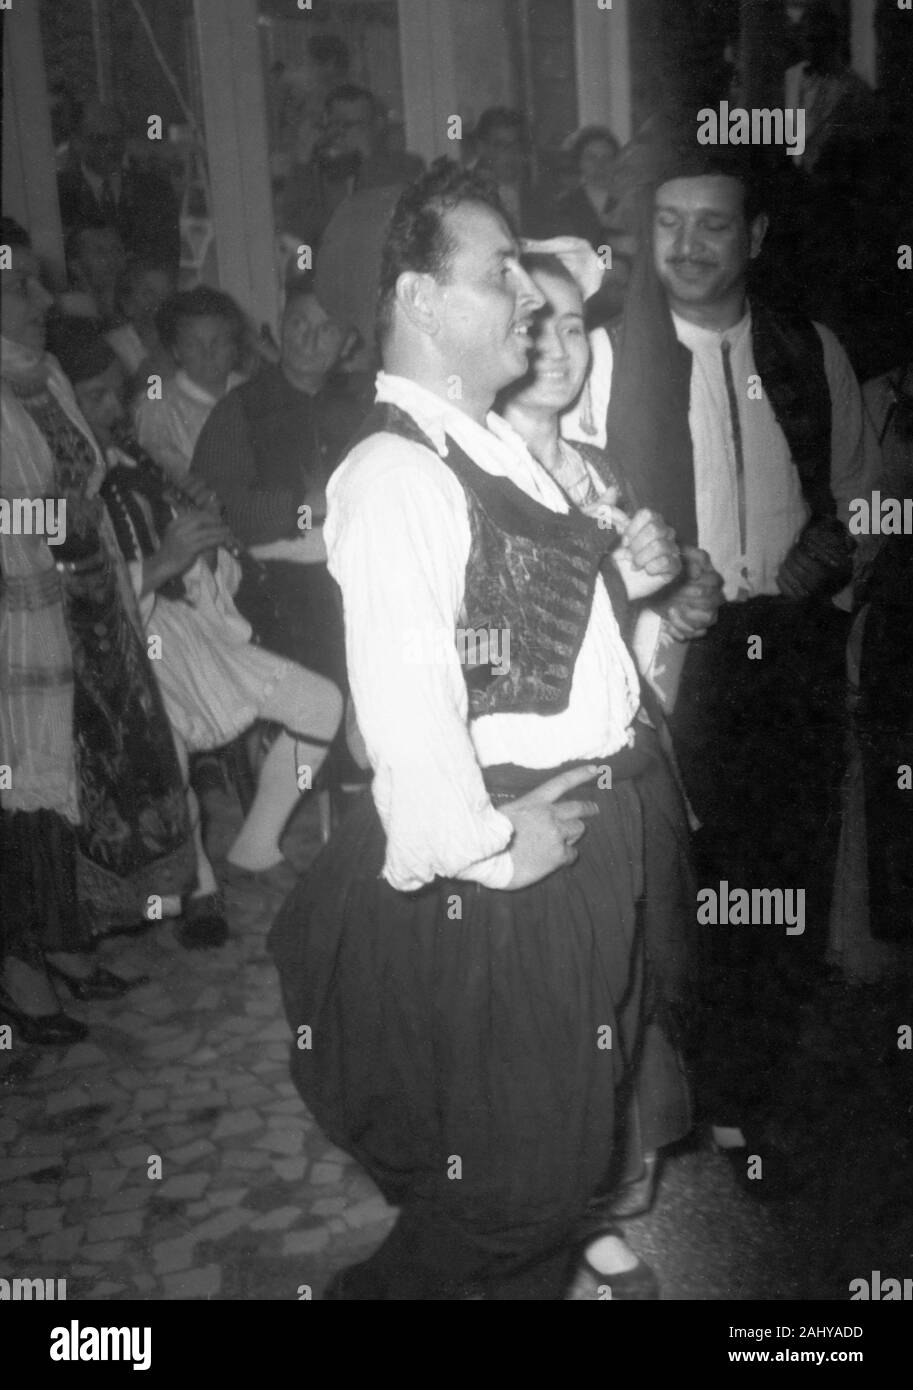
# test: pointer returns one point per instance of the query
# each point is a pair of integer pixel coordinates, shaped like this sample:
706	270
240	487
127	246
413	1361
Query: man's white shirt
398	540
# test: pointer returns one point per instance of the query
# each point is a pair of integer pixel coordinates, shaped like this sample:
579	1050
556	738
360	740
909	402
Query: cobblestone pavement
252	1201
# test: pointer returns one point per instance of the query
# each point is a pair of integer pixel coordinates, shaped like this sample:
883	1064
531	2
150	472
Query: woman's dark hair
589	136
198	303
499	118
544	263
418	238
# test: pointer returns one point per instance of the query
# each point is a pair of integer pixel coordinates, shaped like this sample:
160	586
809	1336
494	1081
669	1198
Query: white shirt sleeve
398	540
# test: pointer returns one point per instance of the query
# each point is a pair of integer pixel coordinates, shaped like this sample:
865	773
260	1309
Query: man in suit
350	156
102	185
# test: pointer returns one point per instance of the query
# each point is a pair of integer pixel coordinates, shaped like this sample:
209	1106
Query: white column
429	75
863	47
603	50
234	112
29	166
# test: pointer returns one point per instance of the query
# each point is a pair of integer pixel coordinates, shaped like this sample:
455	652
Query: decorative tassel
587	423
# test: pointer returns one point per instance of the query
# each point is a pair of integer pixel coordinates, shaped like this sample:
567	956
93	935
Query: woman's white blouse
398	540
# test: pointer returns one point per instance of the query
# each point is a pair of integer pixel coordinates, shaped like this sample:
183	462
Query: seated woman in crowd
204	331
214	681
93	819
267	450
142	289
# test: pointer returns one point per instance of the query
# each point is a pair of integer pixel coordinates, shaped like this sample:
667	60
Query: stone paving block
281	1141
290	1169
84	1054
278	1220
114	1225
168	1051
50	1145
9	1130
106	1181
190	1153
132	1198
195	1283
368	1213
325	1173
225	1223
211	998
62	1245
189	1186
250	1095
23	1166
103	1252
250	1161
11	1240
328	1206
11	1217
136	1156
237	1122
78	1097
203	1056
230	1197
43	1221
306	1242
286	1107
149	1098
130	1078
171	1255
174	1136
106	1289
197	1210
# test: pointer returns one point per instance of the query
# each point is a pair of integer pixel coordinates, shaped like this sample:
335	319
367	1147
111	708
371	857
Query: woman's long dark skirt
478	1051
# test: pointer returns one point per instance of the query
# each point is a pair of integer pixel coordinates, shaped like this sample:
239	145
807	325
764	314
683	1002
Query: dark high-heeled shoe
52	1029
101	984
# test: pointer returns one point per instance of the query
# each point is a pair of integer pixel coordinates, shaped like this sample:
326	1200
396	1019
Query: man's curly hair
418	238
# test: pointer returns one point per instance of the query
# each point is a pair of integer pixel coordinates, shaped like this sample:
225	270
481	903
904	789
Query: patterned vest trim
530	575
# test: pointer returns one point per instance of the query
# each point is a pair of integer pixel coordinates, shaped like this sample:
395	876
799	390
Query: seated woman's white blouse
168	428
398	539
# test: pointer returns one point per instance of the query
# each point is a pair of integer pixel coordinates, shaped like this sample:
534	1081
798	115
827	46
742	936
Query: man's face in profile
485	303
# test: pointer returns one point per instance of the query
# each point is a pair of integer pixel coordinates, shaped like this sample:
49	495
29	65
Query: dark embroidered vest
789	357
531	573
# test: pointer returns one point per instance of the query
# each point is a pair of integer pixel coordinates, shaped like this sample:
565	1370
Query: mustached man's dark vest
789	357
531	573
